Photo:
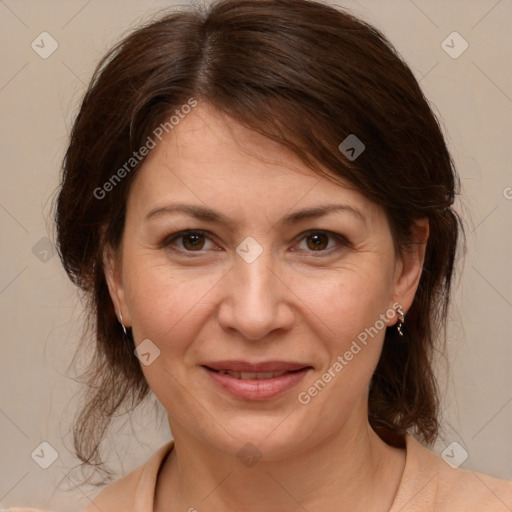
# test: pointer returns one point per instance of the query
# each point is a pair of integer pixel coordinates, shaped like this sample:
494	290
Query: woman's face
262	285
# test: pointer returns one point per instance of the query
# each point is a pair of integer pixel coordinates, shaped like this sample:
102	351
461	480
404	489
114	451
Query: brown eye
319	241
193	241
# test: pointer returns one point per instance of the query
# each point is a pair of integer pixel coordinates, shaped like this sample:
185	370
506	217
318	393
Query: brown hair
306	75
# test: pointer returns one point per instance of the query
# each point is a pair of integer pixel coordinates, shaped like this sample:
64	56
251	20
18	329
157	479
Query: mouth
252	375
255	381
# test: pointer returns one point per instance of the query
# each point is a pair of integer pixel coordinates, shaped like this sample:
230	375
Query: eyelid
343	242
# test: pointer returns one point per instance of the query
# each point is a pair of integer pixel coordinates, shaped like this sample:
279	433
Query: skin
289	304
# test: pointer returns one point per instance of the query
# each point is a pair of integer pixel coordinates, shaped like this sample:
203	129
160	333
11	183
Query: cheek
165	305
348	309
351	349
168	308
348	300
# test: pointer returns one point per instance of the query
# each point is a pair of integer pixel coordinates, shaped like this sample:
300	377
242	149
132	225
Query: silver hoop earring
401	319
121	322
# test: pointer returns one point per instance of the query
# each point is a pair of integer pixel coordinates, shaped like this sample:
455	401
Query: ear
409	266
112	269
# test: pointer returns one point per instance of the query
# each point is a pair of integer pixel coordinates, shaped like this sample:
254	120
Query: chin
269	437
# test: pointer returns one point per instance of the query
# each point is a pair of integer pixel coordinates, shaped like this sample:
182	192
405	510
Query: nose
257	300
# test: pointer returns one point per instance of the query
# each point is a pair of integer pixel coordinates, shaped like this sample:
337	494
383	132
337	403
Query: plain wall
40	311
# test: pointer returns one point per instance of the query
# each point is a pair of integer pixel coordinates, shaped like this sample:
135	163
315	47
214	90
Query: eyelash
342	241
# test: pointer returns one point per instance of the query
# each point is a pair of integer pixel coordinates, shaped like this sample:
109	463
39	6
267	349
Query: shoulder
430	483
135	490
22	509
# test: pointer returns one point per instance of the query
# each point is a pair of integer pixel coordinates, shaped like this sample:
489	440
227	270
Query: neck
353	469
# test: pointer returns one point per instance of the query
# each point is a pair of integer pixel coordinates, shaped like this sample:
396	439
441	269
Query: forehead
208	139
211	159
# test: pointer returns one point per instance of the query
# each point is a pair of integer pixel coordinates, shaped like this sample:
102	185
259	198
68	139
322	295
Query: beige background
39	307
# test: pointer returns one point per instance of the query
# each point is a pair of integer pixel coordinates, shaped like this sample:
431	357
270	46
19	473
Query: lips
263	367
256	381
252	375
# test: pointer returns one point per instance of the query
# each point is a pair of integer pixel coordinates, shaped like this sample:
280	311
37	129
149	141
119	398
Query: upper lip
246	366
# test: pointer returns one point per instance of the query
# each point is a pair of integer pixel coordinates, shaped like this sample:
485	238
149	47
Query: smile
256	385
252	375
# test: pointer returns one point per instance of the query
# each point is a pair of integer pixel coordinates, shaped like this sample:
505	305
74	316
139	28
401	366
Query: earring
121	322
401	319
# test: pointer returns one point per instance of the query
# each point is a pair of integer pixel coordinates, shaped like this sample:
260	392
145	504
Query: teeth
252	375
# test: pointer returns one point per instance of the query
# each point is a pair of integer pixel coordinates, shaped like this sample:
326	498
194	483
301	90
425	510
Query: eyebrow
208	215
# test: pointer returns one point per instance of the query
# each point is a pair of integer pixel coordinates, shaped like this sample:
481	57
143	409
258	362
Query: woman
257	201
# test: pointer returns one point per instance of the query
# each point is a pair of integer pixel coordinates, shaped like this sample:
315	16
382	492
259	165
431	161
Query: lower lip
257	389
